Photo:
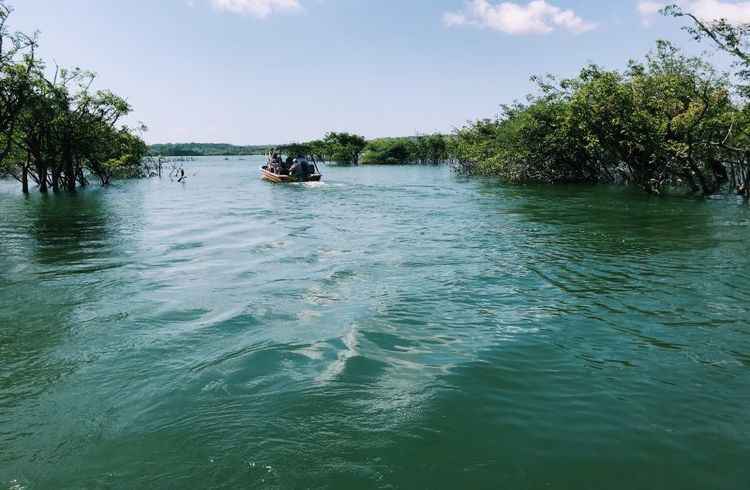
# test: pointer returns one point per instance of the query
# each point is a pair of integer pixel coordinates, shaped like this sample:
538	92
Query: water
389	328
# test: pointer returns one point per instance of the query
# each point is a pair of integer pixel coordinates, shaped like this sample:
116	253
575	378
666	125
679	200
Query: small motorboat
267	174
272	174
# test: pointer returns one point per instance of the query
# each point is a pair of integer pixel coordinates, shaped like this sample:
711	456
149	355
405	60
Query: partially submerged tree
655	125
424	149
388	151
733	39
344	147
17	62
54	130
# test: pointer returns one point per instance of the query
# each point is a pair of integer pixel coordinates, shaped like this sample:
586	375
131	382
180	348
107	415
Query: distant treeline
55	131
205	149
668	123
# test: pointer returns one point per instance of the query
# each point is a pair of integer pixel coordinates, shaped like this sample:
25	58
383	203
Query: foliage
388	151
344	148
55	130
431	149
317	149
352	149
733	39
659	124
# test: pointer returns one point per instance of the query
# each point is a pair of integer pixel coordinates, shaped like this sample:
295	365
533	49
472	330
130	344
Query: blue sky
274	71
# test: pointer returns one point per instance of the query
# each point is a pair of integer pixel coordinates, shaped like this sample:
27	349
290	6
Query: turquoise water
389	328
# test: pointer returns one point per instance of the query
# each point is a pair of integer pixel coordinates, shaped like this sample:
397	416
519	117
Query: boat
267	173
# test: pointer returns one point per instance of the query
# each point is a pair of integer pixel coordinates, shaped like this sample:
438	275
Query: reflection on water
69	230
388	328
56	248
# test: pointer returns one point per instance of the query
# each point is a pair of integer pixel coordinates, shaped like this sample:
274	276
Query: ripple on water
390	327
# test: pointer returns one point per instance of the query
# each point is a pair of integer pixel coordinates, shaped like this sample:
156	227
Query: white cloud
256	8
649	10
536	17
734	12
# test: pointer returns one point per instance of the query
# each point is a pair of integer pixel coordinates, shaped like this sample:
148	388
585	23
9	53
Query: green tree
344	148
733	39
17	62
656	125
388	151
56	131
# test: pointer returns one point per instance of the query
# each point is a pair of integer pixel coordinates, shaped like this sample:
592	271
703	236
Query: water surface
392	327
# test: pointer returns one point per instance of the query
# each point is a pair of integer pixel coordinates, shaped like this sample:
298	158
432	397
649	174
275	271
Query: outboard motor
298	170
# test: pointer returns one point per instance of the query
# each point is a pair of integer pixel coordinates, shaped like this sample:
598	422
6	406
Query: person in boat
286	166
294	170
283	166
275	164
299	169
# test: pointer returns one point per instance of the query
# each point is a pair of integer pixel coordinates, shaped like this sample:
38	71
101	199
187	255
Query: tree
17	62
423	149
657	125
344	148
57	131
388	151
733	39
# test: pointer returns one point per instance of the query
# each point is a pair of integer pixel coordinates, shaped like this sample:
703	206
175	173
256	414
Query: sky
278	71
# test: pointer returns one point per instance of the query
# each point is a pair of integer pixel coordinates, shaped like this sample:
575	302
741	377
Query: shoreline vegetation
666	124
56	131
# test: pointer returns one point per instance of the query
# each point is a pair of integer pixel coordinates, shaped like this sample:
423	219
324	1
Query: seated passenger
297	170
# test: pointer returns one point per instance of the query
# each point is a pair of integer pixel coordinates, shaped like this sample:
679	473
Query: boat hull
286	179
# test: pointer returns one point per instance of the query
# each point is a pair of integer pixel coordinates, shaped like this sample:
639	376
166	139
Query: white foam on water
314	352
314	185
337	367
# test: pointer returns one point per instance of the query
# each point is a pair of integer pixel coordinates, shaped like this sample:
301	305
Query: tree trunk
721	175
82	181
708	187
694	188
70	173
41	171
25	178
56	179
